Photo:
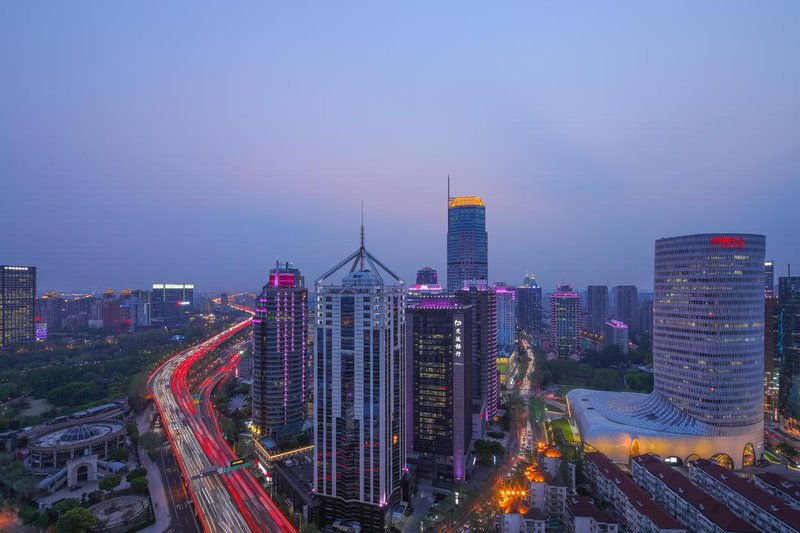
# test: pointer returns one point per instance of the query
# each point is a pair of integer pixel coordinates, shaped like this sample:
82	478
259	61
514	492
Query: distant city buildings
506	317
17	304
485	380
708	395
172	303
359	401
565	323
616	334
769	278
596	308
280	355
467	242
529	308
438	387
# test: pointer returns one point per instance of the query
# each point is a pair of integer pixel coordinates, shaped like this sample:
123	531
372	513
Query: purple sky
155	141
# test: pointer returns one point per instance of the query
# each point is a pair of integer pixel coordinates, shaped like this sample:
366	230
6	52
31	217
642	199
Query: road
232	502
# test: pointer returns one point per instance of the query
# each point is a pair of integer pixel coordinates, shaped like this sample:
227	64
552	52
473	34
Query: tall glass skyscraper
467	242
17	304
596	308
359	374
529	308
280	354
788	350
708	360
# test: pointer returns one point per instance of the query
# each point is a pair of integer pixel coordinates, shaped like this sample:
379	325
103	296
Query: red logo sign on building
724	241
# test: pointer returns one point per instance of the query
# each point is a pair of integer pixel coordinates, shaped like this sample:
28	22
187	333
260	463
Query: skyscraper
485	380
438	383
626	305
172	302
17	304
708	359
359	373
596	308
280	354
427	285
565	323
769	278
506	317
467	242
529	308
789	350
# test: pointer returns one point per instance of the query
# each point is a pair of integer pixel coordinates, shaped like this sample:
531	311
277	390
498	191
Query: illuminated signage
725	241
237	462
457	343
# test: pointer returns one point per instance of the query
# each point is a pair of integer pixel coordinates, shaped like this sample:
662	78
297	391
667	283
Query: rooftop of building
77	433
633	492
617	324
466	201
748	490
702	502
582	506
778	482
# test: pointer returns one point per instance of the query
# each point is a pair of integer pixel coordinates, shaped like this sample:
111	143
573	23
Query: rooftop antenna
448	191
362	234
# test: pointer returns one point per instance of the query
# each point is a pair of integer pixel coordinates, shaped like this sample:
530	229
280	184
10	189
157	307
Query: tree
19	479
150	441
78	520
140	485
109	483
136	473
133	433
65	505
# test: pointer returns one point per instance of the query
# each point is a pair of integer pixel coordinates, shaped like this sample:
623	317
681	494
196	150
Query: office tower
125	309
427	285
789	350
485	380
438	387
769	278
645	314
506	317
467	242
427	276
772	359
108	294
359	403
280	354
172	302
111	315
708	359
596	308
626	304
565	323
616	333
140	309
529	308
223	299
17	304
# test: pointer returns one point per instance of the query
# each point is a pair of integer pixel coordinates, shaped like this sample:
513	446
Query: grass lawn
563	424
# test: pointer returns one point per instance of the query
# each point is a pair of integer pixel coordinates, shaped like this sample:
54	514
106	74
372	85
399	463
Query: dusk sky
194	142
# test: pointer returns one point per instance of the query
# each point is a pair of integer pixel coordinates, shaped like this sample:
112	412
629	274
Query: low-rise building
690	505
524	521
765	511
583	516
779	486
632	507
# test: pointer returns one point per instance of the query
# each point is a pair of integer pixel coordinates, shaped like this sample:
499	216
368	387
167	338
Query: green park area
562	424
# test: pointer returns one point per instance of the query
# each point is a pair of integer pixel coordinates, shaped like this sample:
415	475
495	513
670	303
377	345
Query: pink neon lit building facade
280	356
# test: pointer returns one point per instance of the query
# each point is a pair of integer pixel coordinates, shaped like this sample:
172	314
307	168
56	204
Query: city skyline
157	155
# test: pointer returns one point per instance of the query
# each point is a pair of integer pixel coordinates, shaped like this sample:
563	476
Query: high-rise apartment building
616	333
708	359
485	379
788	350
626	304
427	276
565	323
596	308
51	309
17	304
172	303
506	317
280	354
467	242
529	308
359	420
438	383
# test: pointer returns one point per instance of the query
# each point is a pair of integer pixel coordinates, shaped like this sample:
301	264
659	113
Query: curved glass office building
467	242
708	359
